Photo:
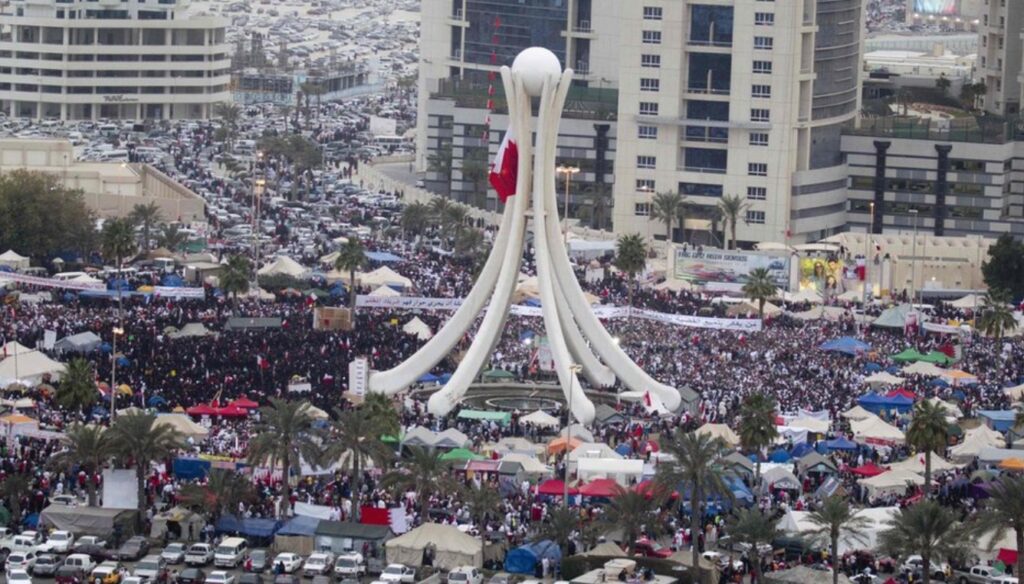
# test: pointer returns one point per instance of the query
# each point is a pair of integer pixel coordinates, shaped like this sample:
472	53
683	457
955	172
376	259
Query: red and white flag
505	169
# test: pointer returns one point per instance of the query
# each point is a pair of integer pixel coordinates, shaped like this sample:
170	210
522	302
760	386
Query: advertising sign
728	267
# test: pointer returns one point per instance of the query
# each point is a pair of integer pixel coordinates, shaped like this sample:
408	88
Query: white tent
874	428
283	265
1016	393
30	367
529	463
384	276
803	296
819	312
81	343
14	348
621	471
13	260
182	423
451	438
798	522
85	279
579	432
915	463
192	329
856	413
969	301
385	292
316	413
891	482
541	419
780	478
748	306
516	445
973	443
720	431
417	328
810	424
419	436
952	410
452	548
882	378
924	368
592	450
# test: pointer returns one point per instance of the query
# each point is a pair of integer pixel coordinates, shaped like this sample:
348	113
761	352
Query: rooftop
968	128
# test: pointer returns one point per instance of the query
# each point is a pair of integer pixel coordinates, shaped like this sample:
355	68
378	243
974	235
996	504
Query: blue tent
998	420
300	525
847	345
873	402
900	403
123	362
872	368
116	284
190	468
779	455
739	490
800	450
249	526
892	369
840	444
382	257
443	378
156	401
524	559
958	395
172	281
938	382
624	449
427	378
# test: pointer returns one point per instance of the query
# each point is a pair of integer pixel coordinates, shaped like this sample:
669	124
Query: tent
529	464
938	357
384	276
606	549
86	342
385	292
248	526
181	523
1015	393
284	266
973	443
957	377
998	420
891	482
749	306
969	301
840	443
952	410
856	413
524	559
810	424
923	368
555	488
192	329
895	317
908	356
874	429
13	260
720	431
452	548
622	471
30	367
418	329
868	469
297	535
515	445
814	462
780	478
451	438
798	523
98	521
882	378
182	423
541	419
847	345
604	488
460	455
915	463
591	450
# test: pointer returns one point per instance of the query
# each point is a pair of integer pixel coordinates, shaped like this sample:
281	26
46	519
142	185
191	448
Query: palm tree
928	529
757	428
77	388
229	113
696	464
415	218
667	207
138	440
354	439
285	437
146	216
87	448
634	513
172	238
597	199
439	210
1004	509
468	242
481	501
220	494
118	240
558	526
351	257
928	431
732	206
424	472
754	528
834	519
381	409
455	219
760	287
235	276
996	314
631	258
15	488
475	169
440	163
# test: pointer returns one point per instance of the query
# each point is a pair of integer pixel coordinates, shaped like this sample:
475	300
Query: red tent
600	488
244	402
554	487
232	412
868	470
202	410
1007	556
649	489
901	392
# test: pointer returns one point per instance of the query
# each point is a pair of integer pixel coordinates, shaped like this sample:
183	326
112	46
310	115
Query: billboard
943	7
700	267
821	275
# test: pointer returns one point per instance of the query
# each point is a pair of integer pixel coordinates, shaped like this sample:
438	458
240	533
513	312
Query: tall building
1000	51
742	98
111	59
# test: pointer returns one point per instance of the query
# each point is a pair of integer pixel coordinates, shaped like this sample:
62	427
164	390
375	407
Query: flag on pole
505	169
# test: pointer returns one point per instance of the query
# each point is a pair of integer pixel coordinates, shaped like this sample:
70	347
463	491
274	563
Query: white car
21	561
220	577
59	542
318	564
199	554
174	553
465	575
18	577
92	540
290	562
915	562
350	565
398	574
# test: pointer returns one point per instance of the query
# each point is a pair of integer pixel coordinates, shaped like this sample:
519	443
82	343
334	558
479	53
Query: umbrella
244	402
124	389
232	412
872	368
156	401
123	362
779	455
202	410
105	347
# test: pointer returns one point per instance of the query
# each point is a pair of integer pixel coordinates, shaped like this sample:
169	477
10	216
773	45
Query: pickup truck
974	575
199	554
20	543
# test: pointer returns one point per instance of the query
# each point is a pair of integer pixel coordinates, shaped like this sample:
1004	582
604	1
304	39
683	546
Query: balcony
720	43
704	89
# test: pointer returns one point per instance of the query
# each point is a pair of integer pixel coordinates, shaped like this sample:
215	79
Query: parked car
289	562
350	565
93	552
84	562
500	578
106	573
90	540
251	578
220	577
318	564
286	579
199	554
59	542
191	576
914	564
134	580
322	579
979	574
69	575
259	561
46	565
398	573
651	549
133	549
174	553
18	577
465	575
152	567
21	561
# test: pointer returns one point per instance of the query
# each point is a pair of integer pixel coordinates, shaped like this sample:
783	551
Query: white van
230	553
114	156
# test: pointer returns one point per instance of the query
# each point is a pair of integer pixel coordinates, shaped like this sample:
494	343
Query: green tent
937	357
498	374
909	356
502	418
460	455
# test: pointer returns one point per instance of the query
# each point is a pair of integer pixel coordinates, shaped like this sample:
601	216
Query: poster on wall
728	267
944	7
823	275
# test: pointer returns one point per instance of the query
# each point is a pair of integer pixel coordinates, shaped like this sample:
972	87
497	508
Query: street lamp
574	369
257	198
118	331
568	171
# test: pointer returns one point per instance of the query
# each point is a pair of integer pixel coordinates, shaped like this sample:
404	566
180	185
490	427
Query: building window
761	90
648	108
760	115
646	162
652	37
757	169
755	217
650	61
759	138
647	84
765	43
762	66
647	132
757	193
764	18
700	190
645	185
642	209
652	12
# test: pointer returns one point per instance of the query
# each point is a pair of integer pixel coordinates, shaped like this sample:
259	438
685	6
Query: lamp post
913	264
574	369
257	196
568	171
118	331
